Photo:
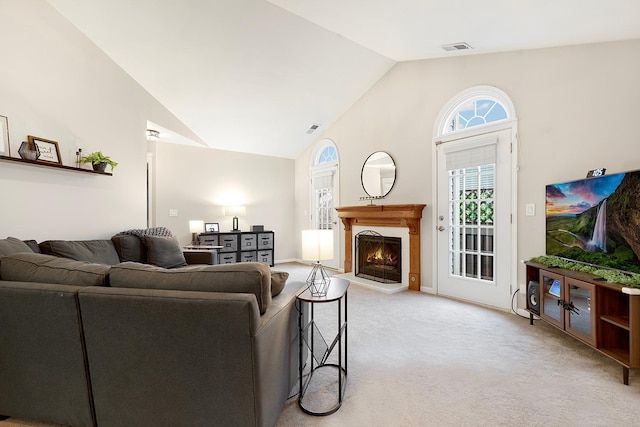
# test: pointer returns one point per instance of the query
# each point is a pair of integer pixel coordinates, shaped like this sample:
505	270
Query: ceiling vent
456	46
312	129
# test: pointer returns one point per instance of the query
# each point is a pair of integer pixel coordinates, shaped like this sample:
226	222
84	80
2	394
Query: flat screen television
596	221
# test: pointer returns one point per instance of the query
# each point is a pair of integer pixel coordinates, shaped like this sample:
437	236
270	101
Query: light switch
173	212
530	209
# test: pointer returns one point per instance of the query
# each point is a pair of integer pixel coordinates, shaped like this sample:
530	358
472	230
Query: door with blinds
473	218
323	214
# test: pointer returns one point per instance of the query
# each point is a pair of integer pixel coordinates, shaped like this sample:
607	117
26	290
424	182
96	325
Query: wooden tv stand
612	326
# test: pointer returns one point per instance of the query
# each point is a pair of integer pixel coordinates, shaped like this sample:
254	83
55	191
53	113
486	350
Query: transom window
476	112
474	107
328	155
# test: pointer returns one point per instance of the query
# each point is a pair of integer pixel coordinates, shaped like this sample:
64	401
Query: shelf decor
29	151
610	275
5	148
49	150
99	161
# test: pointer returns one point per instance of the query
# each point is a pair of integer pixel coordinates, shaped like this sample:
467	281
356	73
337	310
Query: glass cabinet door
580	317
551	294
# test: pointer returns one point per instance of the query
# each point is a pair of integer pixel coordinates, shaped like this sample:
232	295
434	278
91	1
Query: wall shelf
53	165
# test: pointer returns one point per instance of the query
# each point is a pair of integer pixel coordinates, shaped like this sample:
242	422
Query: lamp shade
196	226
317	245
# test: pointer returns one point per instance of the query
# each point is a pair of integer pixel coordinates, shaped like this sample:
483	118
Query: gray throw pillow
164	251
278	281
129	248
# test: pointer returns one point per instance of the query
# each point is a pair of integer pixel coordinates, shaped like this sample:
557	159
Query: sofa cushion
32	267
246	277
164	251
129	248
278	280
11	245
96	251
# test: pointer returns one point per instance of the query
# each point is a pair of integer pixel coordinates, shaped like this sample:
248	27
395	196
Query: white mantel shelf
385	216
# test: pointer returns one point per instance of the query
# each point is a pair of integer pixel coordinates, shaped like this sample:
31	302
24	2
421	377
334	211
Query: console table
241	246
317	345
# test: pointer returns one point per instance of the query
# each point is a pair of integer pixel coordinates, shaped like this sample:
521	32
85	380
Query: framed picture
49	151
211	227
5	148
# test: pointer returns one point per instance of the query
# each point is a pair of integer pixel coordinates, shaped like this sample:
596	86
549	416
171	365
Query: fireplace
408	216
378	257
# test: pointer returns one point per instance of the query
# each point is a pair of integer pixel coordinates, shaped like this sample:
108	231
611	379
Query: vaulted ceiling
255	75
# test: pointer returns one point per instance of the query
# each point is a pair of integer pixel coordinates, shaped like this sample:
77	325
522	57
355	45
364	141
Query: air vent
456	46
312	129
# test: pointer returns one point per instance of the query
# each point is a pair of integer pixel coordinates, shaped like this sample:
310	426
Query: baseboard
285	261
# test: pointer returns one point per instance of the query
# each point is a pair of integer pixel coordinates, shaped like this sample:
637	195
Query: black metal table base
337	406
320	350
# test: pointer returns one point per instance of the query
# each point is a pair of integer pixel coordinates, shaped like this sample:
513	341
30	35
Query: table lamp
235	211
195	227
317	245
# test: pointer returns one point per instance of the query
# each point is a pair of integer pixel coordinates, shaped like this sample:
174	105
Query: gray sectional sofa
92	334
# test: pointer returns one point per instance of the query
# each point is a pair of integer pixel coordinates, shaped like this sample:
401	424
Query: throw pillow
129	248
11	245
278	281
164	252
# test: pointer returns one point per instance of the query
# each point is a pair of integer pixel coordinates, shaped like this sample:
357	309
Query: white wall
55	84
200	182
577	107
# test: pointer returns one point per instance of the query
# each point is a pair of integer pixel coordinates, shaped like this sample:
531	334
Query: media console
605	316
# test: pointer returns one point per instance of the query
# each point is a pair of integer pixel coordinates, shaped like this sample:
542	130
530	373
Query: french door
473	218
324	194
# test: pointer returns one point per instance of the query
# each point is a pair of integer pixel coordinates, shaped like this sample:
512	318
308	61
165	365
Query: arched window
327	154
477	106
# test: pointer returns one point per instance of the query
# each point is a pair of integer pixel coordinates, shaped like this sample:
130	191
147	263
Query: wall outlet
173	212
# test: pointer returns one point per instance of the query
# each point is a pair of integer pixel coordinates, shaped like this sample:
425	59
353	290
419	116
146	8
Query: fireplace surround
385	216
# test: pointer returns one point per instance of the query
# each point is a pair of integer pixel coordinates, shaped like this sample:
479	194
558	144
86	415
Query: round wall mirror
378	174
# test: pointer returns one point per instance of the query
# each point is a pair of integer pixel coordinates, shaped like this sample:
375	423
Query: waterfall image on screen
596	220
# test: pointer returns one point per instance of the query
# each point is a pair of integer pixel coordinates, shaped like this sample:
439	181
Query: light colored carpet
421	360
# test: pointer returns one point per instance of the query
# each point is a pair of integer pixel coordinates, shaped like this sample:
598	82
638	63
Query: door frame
334	169
510	124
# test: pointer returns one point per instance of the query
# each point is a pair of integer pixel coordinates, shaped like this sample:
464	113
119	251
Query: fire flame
378	257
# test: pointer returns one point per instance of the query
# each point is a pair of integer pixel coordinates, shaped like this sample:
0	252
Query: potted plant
99	161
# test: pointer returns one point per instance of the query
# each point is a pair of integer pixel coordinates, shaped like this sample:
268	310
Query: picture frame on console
211	227
49	150
5	148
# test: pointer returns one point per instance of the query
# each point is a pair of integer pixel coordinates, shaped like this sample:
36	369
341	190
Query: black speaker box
533	296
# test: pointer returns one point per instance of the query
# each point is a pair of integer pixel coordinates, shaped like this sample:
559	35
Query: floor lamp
317	245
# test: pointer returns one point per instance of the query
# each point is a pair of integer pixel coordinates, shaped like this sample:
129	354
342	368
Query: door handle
441	228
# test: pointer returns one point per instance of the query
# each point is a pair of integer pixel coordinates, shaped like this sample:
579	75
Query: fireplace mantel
385	216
